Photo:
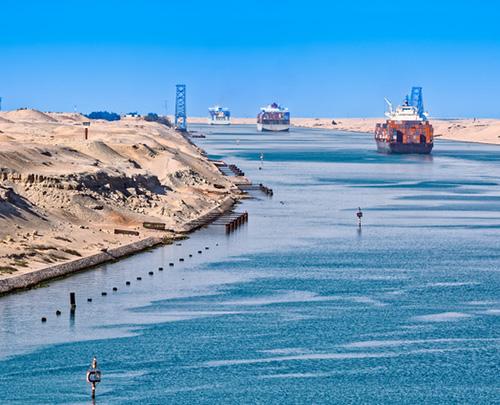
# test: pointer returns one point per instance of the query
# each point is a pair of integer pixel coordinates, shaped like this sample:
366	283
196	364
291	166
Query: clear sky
319	58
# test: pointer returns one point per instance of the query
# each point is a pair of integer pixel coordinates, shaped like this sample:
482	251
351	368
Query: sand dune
5	120
28	116
62	196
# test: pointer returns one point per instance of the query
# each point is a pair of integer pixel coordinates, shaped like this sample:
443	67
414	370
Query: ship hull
404	148
221	122
273	127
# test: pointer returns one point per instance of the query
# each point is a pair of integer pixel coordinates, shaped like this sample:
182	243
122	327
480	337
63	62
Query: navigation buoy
93	376
359	214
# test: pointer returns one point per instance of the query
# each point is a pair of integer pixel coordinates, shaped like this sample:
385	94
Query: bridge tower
180	108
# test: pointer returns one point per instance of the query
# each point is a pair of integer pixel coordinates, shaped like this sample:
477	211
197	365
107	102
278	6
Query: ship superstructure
273	118
407	129
219	115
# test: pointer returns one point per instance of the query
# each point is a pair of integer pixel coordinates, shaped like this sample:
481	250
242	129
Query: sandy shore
467	130
62	196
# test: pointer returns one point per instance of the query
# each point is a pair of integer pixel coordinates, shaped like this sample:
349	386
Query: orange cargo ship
406	129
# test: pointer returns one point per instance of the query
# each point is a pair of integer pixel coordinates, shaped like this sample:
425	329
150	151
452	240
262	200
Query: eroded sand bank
62	196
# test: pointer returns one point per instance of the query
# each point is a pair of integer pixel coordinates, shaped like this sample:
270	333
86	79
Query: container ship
407	129
273	118
219	115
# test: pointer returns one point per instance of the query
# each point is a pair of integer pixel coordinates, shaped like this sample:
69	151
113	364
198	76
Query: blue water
298	305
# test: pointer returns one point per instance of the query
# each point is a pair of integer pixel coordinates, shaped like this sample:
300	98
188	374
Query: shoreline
34	278
30	280
481	131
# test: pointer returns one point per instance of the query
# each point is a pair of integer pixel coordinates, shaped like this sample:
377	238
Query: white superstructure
219	115
404	112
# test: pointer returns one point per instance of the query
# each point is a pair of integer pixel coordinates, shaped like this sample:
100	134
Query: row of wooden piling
72	295
236	222
266	190
236	170
254	187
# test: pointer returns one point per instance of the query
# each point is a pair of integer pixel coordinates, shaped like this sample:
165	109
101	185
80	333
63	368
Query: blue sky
319	58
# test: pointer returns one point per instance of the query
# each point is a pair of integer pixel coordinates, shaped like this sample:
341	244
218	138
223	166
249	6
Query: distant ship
219	115
407	129
273	118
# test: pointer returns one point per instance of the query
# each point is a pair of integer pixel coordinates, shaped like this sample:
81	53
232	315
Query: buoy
104	293
58	313
44	319
170	264
127	283
199	251
139	278
151	273
93	377
115	289
181	259
160	268
190	255
359	214
89	299
206	248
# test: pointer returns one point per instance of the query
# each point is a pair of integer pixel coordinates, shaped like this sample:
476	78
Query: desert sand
467	130
62	197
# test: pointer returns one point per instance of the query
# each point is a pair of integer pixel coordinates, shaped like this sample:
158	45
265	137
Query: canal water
298	305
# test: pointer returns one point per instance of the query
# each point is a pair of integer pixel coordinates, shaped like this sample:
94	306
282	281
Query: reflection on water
297	306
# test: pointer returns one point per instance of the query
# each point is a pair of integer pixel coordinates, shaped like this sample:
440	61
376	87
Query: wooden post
72	301
86	133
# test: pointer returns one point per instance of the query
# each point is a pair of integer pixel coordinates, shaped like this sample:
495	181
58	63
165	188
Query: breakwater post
72	301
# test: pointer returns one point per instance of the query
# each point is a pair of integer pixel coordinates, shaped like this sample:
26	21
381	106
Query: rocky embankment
62	196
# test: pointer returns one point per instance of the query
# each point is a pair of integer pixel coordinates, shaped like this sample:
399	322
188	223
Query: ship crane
416	99
389	104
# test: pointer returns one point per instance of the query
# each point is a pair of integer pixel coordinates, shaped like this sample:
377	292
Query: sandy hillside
468	130
62	196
